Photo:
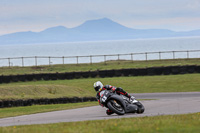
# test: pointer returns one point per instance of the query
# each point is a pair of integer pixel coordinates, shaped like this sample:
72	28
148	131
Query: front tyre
140	109
116	107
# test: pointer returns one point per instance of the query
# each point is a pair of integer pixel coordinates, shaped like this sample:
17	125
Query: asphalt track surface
160	104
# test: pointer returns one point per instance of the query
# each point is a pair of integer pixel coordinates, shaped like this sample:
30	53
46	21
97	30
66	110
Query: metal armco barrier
102	73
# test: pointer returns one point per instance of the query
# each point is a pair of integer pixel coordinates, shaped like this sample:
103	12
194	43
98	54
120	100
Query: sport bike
120	104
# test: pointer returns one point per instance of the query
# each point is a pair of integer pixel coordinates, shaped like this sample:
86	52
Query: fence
49	60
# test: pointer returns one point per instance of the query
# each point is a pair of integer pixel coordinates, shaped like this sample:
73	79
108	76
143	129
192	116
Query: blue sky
37	15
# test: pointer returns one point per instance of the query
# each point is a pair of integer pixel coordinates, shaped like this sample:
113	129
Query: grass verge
158	124
16	111
84	87
96	66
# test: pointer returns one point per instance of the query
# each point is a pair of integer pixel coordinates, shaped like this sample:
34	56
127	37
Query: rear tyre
116	107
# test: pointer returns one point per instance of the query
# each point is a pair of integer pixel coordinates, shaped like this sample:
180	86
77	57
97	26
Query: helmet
98	85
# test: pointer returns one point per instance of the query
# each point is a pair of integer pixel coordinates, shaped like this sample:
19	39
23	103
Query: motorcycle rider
98	86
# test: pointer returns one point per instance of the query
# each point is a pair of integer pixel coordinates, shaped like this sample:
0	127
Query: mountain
92	30
102	25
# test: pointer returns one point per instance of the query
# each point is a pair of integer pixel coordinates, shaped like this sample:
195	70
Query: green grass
16	111
159	124
96	66
84	87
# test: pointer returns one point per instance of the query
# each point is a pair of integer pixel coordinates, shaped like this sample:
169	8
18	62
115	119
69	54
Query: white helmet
98	85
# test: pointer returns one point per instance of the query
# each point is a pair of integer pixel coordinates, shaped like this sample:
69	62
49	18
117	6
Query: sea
90	52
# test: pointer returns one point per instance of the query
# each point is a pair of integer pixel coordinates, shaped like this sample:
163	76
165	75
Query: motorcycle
120	104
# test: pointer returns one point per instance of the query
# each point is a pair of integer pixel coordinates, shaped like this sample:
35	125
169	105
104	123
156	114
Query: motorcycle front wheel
116	107
141	108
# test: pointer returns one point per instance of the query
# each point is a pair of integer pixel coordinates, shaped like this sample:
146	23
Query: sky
38	15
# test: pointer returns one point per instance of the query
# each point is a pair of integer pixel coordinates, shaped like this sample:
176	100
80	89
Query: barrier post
9	62
146	56
63	60
173	54
118	59
159	55
22	61
132	57
90	59
49	60
77	59
35	60
105	59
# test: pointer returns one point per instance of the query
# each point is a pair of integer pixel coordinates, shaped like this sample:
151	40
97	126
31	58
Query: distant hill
92	30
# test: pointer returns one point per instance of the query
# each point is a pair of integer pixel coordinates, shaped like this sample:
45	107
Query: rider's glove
113	89
131	98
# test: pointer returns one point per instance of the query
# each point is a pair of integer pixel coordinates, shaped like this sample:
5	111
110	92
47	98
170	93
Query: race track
160	104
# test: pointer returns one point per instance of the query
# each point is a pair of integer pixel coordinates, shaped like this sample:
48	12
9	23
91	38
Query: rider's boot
109	112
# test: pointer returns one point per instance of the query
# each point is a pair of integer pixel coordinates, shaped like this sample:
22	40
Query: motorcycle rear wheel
116	107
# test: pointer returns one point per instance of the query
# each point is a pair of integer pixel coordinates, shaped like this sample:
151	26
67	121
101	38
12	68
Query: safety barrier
50	60
102	73
42	101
